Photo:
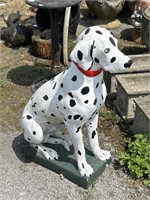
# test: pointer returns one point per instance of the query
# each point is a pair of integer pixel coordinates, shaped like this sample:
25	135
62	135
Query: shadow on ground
19	146
25	75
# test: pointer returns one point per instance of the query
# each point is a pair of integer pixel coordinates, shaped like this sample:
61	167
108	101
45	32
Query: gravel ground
21	179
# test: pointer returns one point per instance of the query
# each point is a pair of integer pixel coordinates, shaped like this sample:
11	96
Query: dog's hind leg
57	137
33	133
52	140
91	126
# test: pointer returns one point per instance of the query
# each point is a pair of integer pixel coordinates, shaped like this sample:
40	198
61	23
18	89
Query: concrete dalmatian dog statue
73	98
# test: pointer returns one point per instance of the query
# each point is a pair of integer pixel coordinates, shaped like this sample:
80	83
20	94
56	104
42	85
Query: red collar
90	73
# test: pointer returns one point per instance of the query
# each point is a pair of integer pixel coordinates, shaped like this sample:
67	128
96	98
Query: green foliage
137	158
2	83
109	115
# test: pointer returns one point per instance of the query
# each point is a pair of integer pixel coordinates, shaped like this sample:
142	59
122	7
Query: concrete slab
141	64
141	123
66	165
130	87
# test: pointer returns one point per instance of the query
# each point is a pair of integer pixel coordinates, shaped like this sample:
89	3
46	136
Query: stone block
129	88
66	165
141	122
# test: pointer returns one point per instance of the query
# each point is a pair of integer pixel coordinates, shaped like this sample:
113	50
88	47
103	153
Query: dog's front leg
91	125
76	136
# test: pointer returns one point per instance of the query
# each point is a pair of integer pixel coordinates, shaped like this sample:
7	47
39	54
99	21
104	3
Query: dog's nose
128	64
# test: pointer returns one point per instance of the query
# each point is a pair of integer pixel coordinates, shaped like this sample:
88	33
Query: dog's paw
49	153
102	154
68	139
106	154
85	169
66	142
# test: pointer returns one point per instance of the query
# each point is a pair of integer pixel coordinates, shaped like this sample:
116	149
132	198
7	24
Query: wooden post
55	37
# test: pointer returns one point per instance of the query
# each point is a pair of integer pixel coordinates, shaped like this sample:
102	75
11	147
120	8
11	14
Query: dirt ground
18	71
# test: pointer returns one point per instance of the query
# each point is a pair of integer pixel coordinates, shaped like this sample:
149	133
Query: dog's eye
107	50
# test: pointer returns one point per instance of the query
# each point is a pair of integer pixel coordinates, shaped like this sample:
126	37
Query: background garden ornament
106	11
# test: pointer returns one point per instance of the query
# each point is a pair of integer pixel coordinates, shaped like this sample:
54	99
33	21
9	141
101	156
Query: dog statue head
97	48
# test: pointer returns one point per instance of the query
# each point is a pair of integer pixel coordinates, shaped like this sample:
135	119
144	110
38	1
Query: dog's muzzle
128	64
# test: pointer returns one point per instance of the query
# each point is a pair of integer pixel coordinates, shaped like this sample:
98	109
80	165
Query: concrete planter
105	9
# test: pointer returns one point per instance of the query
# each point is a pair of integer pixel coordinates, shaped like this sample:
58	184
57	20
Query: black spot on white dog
97	85
53	115
78	129
72	103
70	94
48	122
112	41
34	132
96	60
79	152
82	165
29	117
70	116
45	97
54	86
34	105
95	101
80	55
87	31
102	97
81	118
60	97
76	117
99	32
74	78
86	101
93	134
113	59
61	85
85	90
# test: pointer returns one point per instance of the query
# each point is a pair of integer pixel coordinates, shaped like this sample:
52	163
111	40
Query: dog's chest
69	92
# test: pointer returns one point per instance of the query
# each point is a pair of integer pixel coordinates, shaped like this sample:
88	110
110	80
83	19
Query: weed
6	67
109	115
3	1
136	158
2	83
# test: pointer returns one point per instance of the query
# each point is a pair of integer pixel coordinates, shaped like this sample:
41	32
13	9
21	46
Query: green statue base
67	166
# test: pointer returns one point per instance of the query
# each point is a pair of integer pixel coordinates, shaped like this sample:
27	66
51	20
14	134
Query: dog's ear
83	53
